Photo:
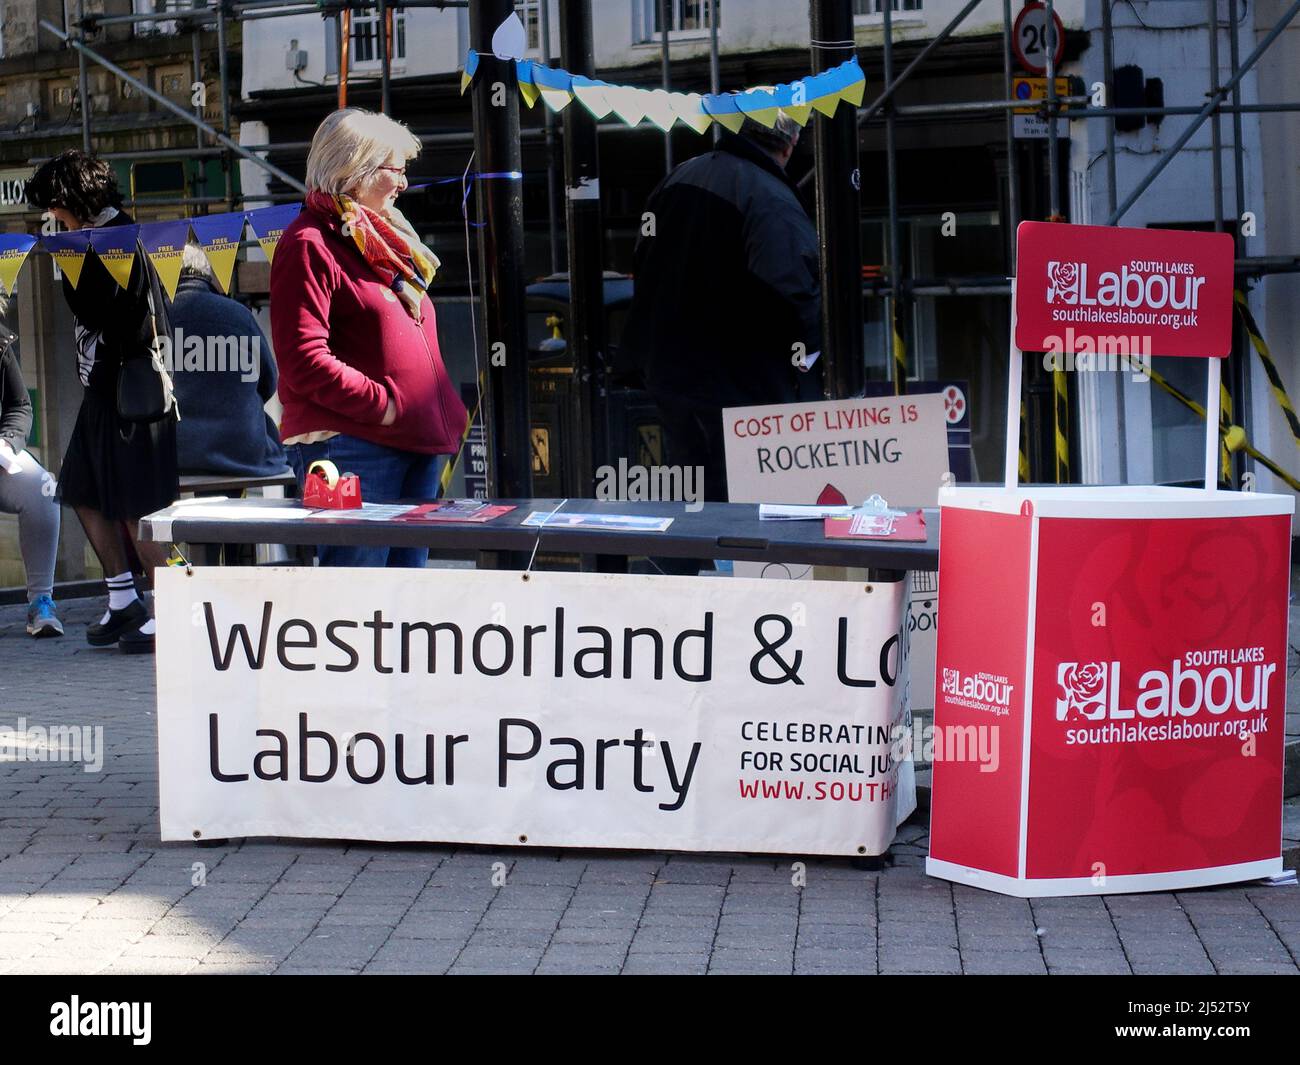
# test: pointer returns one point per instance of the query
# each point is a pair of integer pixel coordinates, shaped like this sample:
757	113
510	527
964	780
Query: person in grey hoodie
28	491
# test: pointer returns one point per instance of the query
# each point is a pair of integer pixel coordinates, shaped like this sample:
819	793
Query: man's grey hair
194	263
774	139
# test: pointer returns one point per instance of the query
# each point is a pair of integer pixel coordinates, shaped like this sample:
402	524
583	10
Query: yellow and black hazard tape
449	470
1225	419
900	352
1024	443
1061	426
1234	436
1274	378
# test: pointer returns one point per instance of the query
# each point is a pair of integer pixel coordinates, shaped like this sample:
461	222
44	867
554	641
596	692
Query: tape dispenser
325	489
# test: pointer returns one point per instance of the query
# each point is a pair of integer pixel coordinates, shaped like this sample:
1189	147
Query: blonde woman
362	381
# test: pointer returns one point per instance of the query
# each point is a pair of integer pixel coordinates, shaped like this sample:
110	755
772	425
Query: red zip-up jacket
343	341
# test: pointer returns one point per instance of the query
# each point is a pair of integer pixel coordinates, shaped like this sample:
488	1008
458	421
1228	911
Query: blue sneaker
42	621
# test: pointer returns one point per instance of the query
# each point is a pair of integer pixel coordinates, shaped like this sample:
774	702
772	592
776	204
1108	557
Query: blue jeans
387	475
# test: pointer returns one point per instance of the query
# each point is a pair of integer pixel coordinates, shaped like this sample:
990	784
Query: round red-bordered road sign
1029	38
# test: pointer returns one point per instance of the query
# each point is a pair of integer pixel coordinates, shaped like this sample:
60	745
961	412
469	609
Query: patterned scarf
386	241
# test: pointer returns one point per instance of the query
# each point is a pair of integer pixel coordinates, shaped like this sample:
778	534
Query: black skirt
121	469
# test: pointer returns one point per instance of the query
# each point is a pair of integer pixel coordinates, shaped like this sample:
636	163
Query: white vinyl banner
548	709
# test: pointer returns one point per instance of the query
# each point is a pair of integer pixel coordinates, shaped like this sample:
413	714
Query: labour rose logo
1062	282
950	681
1083	688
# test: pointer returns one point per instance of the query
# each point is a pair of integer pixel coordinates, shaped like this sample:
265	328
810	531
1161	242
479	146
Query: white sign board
896	446
1035	127
548	709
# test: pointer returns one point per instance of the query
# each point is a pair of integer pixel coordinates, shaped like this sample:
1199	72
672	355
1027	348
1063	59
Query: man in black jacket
727	303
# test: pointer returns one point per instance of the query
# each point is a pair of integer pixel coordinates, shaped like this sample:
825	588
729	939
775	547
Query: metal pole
345	41
586	277
200	182
892	86
548	122
1167	157
83	80
1053	158
897	350
1216	123
1239	367
874	107
223	73
1013	168
501	260
665	17
839	225
1015	379
715	71
385	33
175	109
1108	79
1239	167
1112	192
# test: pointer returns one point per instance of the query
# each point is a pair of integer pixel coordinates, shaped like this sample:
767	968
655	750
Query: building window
686	18
151	7
872	9
366	48
530	14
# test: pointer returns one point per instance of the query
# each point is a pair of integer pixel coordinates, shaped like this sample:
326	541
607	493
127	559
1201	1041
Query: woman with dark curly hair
115	471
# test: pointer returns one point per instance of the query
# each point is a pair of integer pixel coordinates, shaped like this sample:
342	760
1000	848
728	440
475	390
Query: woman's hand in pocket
390	415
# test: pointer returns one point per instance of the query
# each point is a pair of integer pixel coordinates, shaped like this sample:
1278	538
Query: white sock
147	628
121	591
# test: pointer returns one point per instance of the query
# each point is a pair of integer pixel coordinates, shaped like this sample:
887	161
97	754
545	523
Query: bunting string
631	104
218	235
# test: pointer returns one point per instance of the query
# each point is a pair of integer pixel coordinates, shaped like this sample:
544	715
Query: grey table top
714	531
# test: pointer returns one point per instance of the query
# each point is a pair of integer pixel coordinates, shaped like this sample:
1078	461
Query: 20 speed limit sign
1030	38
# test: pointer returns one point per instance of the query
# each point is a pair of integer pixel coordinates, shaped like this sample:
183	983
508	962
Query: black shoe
128	619
136	642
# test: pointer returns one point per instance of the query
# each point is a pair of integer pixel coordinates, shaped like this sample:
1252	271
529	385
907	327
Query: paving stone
87	886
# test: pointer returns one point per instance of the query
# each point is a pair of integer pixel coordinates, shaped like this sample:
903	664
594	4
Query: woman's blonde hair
350	145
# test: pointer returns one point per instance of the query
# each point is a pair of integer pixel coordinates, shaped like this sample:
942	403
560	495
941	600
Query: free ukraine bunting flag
164	243
115	248
219	236
14	249
269	223
69	251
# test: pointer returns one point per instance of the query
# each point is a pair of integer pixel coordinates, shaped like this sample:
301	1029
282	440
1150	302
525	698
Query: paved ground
86	886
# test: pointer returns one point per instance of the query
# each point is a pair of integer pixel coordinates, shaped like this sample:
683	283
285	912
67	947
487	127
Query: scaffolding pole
501	262
586	336
83	86
1216	101
171	107
548	124
894	346
665	60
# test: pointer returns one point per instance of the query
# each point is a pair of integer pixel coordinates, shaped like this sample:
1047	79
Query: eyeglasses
400	171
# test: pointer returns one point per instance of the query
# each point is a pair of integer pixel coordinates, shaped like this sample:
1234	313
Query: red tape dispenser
325	489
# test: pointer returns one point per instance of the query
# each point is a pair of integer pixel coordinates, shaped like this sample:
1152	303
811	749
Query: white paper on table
235	512
802	511
367	511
